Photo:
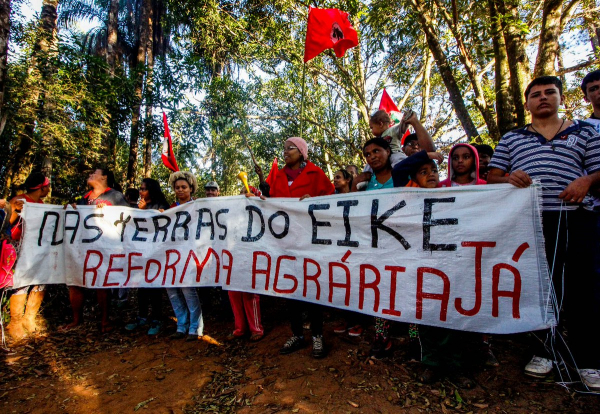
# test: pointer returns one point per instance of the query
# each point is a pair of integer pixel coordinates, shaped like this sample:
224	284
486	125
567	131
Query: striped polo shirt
555	163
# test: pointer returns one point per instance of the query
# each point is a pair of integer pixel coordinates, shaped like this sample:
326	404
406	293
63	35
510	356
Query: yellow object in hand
244	178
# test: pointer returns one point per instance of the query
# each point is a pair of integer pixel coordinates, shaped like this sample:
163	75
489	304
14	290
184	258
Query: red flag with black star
167	156
328	29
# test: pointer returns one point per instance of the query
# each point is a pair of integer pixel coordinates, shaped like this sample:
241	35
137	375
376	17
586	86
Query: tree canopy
72	98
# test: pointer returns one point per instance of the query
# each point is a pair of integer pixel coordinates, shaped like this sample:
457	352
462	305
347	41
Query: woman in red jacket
302	179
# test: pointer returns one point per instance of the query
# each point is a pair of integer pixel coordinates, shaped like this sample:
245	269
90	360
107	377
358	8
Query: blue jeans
188	311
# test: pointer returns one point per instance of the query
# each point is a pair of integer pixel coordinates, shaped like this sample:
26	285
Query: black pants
150	298
571	239
315	317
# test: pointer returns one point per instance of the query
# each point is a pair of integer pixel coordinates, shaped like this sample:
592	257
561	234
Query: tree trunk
518	62
139	85
148	129
472	72
4	36
45	49
112	35
545	63
111	136
426	86
445	69
504	106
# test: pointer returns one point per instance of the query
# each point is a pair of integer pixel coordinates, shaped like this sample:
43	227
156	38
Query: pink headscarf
301	144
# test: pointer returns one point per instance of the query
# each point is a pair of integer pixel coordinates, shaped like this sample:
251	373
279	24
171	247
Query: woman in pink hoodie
463	167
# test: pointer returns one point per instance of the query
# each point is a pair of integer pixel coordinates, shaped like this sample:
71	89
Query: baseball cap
211	184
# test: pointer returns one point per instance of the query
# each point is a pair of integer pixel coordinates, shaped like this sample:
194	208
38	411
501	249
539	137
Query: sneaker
340	328
318	350
538	367
590	378
154	328
139	323
191	338
178	335
381	347
428	375
293	344
490	359
356	330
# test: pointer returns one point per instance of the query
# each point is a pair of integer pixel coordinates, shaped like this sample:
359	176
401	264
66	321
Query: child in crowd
445	349
381	126
185	301
486	153
463	167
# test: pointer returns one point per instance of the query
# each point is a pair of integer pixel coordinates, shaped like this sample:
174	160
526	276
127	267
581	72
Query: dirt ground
83	371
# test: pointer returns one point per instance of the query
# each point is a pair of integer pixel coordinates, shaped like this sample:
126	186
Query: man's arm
423	137
578	189
517	178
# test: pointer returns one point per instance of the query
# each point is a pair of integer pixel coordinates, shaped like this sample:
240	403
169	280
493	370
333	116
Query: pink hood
448	181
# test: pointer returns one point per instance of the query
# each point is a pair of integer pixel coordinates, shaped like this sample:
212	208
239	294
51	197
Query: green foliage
233	70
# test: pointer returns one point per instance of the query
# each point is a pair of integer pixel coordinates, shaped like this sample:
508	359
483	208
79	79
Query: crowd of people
562	154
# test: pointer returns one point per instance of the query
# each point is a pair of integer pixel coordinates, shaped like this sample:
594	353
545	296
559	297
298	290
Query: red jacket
312	181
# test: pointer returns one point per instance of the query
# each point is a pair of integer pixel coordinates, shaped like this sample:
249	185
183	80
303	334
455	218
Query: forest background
84	82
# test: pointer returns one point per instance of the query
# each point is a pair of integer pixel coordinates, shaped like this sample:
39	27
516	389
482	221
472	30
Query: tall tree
444	67
548	47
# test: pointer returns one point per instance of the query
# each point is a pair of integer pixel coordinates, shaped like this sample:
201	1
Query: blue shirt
556	163
376	185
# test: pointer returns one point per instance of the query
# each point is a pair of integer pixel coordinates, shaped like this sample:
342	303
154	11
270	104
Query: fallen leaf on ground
143	403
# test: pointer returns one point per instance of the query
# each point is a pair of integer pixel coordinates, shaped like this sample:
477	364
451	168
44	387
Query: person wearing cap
26	301
211	189
300	179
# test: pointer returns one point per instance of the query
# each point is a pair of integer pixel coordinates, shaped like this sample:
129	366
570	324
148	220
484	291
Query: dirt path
85	372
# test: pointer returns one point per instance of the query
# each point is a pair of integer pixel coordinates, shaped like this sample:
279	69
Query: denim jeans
188	311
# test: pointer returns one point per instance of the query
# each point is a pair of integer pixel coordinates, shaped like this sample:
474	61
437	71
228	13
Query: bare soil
83	371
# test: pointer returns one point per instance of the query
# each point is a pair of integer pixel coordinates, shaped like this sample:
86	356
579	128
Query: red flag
387	104
327	29
168	157
407	133
271	177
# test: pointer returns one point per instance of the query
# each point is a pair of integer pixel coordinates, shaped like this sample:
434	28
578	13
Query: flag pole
302	99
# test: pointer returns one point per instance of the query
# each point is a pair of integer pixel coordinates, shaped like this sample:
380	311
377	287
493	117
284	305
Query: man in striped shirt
590	85
564	156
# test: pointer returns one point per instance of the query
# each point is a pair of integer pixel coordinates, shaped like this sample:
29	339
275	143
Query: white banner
467	258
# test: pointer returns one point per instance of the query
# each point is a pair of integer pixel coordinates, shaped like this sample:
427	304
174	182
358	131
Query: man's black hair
544	80
34	179
590	77
484	149
411	137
